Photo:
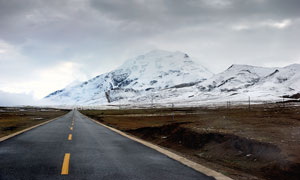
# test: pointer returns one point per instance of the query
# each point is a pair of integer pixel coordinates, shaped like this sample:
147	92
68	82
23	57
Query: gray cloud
99	35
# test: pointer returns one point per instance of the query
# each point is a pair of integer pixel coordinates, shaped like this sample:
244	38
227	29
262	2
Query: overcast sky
45	45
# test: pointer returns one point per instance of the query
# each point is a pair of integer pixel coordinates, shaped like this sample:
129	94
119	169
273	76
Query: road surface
74	147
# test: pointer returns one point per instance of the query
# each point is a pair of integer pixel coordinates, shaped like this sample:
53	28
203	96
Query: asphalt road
85	150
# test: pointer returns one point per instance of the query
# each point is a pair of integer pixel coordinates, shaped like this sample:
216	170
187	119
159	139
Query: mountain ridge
175	76
155	70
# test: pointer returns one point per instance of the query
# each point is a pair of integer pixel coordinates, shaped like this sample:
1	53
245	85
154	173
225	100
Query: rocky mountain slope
237	83
165	77
239	80
154	71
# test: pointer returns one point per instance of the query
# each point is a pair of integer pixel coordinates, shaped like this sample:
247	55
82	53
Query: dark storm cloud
88	25
174	11
99	35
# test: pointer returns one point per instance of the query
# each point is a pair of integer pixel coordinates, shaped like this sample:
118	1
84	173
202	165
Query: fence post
227	109
249	103
173	111
152	97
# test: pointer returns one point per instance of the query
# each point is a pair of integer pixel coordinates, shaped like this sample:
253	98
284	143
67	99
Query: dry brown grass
16	119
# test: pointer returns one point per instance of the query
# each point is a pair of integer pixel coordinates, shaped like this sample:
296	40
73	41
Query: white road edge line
200	168
28	129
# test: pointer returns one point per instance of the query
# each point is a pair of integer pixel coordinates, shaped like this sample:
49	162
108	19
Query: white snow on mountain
173	77
154	71
237	83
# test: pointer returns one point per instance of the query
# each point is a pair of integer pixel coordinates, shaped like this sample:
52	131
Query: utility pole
249	103
227	107
152	98
173	111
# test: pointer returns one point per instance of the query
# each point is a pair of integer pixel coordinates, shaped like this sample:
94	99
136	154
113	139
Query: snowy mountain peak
163	53
158	53
155	70
293	66
161	69
176	77
240	66
239	69
160	58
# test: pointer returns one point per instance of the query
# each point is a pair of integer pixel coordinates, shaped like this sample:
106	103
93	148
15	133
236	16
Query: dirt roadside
14	119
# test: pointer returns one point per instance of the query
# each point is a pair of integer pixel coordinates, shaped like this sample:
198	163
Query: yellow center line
70	137
65	166
71	128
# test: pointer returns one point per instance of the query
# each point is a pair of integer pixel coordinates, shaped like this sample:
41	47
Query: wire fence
249	103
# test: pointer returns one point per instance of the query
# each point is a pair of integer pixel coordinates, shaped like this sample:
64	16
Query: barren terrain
14	119
262	142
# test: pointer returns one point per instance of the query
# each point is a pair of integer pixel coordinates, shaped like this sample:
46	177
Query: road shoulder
189	163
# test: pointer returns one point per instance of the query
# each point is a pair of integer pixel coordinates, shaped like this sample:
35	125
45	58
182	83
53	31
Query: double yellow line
65	166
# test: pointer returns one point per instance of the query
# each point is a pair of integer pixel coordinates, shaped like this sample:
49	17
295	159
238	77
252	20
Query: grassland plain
14	119
262	142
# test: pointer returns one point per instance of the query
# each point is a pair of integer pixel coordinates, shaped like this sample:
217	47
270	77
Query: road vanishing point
74	147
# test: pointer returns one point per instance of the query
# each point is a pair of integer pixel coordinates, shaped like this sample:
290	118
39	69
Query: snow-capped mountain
154	71
174	77
236	77
237	83
247	79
